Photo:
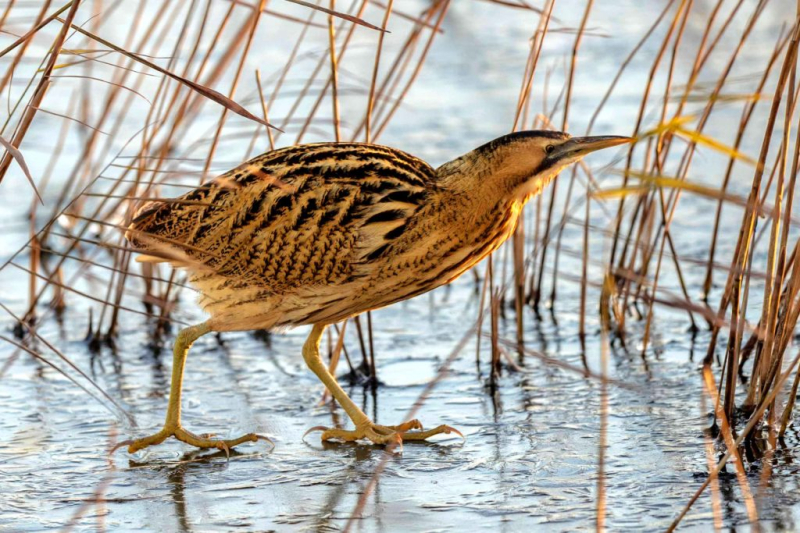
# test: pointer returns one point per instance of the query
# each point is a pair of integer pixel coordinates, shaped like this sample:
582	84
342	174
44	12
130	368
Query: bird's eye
549	149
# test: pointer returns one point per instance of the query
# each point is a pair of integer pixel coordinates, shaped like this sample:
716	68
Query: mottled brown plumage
317	233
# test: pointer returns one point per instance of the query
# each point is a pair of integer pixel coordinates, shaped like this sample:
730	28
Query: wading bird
317	233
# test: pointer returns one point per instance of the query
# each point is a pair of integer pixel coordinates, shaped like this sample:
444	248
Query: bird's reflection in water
360	452
159	383
200	461
177	487
333	512
337	508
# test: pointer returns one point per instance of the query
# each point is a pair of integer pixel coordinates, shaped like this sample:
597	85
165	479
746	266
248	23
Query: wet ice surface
530	458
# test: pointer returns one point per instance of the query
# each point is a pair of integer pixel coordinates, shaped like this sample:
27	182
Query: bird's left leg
172	424
365	428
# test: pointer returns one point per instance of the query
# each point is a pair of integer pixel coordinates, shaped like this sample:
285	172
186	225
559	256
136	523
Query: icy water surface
530	458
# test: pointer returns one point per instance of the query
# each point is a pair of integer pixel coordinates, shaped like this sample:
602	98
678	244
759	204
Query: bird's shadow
196	457
176	471
364	450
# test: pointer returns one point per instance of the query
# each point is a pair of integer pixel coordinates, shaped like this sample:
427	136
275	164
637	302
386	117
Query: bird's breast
474	239
445	246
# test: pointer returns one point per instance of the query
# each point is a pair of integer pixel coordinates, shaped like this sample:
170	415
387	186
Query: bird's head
521	164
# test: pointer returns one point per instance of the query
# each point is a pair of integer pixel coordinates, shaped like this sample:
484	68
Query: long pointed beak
577	147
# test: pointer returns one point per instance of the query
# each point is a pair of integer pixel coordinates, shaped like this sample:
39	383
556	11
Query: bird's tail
137	233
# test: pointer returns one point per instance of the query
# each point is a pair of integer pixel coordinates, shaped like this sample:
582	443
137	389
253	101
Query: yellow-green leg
172	424
365	428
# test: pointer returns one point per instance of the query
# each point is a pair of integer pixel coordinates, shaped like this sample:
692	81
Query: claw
199	441
119	445
267	439
315	428
450	429
227	450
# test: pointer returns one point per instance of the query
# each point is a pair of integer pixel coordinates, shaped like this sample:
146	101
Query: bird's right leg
365	428
172	424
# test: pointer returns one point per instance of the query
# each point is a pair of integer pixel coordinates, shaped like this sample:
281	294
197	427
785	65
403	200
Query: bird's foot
200	441
408	431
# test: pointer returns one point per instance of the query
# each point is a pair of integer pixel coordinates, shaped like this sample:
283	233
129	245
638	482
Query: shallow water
530	457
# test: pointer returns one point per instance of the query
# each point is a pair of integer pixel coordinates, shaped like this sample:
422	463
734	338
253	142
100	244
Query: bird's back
294	217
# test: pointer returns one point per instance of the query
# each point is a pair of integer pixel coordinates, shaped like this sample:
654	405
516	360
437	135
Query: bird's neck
480	216
478	193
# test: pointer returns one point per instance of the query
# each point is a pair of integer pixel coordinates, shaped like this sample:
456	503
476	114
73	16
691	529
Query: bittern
317	233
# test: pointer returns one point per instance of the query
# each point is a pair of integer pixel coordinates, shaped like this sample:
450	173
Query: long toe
205	442
423	435
145	442
377	434
407	426
343	435
382	435
200	441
